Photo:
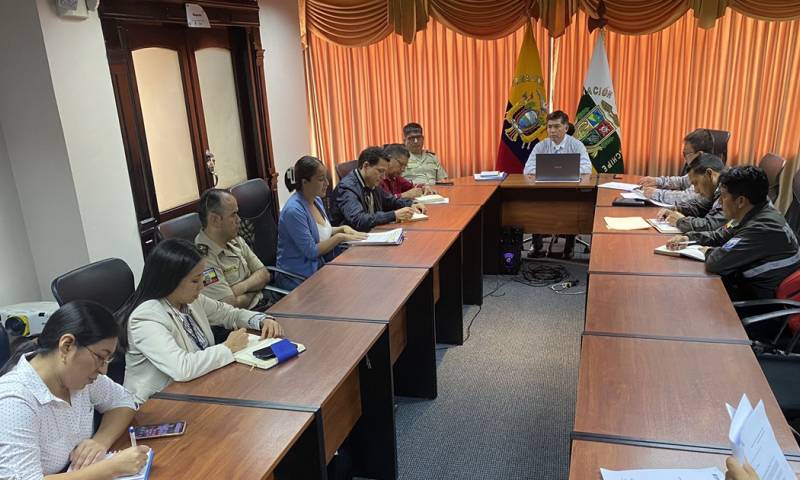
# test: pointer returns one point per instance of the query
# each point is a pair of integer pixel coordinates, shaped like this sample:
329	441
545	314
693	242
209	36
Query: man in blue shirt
361	203
558	141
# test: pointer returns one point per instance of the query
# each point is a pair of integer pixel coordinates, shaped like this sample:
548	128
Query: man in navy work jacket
361	203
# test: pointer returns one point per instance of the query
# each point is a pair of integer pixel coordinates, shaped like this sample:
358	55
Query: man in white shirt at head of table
557	141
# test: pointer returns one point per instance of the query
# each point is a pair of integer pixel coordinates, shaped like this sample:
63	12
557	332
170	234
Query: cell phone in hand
171	429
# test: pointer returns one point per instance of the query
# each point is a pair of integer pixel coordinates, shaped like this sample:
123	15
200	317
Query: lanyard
192	328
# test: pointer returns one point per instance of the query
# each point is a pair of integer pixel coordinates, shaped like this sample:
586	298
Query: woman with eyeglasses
49	391
167	332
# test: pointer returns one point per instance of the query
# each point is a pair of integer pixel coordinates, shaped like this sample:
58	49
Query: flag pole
554	50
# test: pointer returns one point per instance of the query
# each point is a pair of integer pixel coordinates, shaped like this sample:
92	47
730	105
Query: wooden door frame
117	18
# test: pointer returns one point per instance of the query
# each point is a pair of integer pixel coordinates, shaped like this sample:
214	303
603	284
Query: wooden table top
633	254
615	177
333	350
669	391
670	307
644	212
361	293
518	180
259	437
588	457
606	197
467	195
420	249
440	217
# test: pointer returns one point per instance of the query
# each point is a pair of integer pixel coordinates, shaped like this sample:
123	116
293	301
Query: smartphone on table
170	429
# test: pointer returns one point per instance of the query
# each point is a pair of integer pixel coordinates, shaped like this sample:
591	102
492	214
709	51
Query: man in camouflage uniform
677	189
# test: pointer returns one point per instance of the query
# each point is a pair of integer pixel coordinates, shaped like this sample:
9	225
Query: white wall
18	282
87	107
63	141
286	91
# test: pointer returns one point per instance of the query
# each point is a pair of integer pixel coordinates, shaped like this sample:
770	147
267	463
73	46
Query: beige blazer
160	351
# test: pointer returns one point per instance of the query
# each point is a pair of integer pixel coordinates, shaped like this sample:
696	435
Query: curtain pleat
738	76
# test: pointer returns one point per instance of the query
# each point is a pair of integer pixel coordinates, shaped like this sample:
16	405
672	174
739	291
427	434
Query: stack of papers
389	237
663	226
490	175
637	195
428	199
626	223
628	187
417	217
753	441
691	251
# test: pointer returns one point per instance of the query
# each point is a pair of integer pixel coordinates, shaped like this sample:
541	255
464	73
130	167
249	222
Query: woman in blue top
305	236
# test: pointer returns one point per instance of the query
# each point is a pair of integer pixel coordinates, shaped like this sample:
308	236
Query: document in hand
637	195
389	237
663	474
628	187
490	175
417	217
663	226
254	342
429	199
753	440
143	474
626	223
692	251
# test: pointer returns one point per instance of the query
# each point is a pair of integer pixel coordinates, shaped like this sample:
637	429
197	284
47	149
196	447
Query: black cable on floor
542	274
469	327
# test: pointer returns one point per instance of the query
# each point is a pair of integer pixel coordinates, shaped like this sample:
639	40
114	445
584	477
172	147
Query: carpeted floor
507	396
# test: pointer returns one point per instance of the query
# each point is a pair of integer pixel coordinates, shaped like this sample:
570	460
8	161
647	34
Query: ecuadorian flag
525	121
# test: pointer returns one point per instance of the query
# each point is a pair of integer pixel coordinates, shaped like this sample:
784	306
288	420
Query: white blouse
40	430
324	230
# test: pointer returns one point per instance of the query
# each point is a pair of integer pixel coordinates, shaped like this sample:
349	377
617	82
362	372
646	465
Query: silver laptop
558	167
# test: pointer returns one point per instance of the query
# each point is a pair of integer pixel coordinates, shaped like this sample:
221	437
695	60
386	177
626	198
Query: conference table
468	221
437	251
661	352
343	378
268	443
401	298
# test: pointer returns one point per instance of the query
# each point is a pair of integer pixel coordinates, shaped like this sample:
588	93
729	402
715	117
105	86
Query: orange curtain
740	75
363	22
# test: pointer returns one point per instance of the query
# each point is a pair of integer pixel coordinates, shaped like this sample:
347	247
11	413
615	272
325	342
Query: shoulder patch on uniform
731	243
203	248
210	276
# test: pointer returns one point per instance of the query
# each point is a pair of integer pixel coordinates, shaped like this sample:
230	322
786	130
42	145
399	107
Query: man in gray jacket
756	249
676	189
704	211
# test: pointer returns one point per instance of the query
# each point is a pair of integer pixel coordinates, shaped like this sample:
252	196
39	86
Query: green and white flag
597	124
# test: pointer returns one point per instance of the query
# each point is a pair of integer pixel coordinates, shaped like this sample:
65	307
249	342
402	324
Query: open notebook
254	342
663	226
389	237
143	474
692	251
434	198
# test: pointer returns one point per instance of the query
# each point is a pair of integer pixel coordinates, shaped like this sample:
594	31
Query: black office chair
772	165
186	227
5	346
793	212
343	169
259	227
108	282
719	142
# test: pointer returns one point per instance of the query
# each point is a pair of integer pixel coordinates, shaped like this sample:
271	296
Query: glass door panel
166	125
221	114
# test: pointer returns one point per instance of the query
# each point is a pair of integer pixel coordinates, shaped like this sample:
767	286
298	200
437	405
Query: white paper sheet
620	186
753	440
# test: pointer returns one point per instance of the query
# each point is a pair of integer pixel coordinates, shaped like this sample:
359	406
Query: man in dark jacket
756	249
361	203
703	212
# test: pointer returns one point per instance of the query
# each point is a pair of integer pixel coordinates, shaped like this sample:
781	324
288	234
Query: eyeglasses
99	359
